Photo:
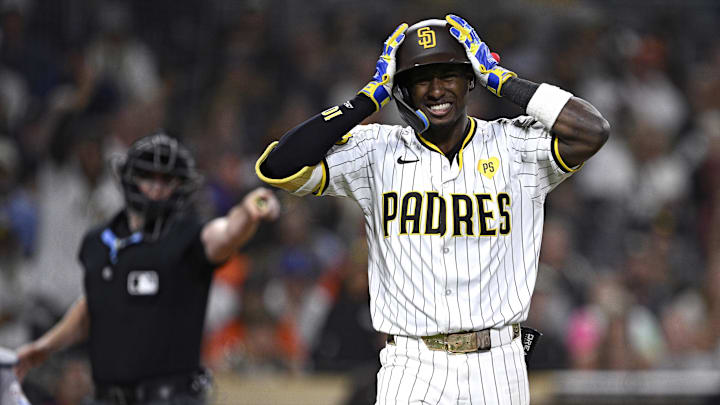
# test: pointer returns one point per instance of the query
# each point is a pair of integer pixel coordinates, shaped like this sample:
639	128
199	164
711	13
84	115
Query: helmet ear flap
405	92
415	118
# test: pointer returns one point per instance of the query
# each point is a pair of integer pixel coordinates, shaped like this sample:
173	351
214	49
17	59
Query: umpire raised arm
453	206
147	277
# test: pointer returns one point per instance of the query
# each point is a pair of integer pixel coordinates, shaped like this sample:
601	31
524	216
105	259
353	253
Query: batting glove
380	88
488	72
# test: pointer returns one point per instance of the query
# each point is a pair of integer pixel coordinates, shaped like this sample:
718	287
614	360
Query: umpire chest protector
146	300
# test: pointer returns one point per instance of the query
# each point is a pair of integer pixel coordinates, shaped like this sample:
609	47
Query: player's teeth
440	107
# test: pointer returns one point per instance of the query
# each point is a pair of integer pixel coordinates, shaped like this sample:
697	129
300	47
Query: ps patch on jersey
143	282
488	167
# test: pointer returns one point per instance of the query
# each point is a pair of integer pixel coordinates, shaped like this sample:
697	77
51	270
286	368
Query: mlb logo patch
145	282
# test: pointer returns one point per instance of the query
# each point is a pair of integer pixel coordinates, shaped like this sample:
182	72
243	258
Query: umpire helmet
426	42
157	154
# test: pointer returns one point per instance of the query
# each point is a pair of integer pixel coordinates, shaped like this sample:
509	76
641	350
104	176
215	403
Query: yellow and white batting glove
488	72
380	87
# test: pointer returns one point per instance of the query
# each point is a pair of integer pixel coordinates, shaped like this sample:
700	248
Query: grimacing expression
440	91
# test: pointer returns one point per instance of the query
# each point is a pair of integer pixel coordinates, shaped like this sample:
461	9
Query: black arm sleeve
307	143
519	91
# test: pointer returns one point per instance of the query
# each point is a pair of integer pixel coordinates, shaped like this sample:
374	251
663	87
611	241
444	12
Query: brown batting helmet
429	42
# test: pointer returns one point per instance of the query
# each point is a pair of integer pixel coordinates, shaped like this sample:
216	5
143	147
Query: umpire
147	277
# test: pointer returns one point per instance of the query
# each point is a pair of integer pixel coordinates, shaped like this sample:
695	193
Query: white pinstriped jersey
453	246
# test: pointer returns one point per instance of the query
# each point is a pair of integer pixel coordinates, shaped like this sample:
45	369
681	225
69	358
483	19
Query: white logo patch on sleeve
144	282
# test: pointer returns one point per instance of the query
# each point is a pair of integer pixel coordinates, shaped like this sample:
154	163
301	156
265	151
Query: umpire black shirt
148	309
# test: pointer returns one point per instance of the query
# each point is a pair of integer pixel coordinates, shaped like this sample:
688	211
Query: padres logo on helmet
426	37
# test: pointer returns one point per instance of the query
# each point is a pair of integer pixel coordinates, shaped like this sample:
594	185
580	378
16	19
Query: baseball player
147	278
453	206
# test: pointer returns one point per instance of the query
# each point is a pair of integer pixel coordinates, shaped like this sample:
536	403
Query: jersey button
448	292
446	250
446	167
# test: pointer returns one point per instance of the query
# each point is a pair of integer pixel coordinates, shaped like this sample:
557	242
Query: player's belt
468	342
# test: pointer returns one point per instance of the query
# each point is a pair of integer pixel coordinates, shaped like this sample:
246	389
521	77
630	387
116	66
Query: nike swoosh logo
402	162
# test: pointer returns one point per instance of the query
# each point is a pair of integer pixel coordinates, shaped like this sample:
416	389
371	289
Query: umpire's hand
261	205
29	356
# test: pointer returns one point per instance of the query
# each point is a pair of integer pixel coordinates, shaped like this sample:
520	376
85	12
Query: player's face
157	187
440	92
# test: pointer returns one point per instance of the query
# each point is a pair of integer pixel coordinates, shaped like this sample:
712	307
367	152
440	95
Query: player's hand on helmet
488	72
261	205
380	87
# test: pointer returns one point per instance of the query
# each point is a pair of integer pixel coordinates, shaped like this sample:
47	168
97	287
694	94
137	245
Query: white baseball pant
412	374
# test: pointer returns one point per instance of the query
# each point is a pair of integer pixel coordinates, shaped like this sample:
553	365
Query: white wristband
546	104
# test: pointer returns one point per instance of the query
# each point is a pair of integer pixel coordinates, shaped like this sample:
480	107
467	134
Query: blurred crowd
630	261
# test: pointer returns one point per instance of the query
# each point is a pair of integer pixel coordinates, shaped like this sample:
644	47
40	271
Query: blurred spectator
347	339
14	99
562	264
25	50
74	191
347	342
247	342
612	331
709	295
296	268
564	279
682	321
584	337
278	305
18	223
118	56
650	94
74	384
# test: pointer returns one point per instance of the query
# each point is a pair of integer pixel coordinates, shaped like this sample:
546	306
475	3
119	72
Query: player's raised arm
579	128
307	144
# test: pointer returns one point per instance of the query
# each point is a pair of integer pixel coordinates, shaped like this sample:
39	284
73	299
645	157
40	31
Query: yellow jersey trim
324	182
558	159
345	138
468	137
290	183
429	144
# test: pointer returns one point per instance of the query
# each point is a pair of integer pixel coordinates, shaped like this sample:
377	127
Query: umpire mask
426	42
158	155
